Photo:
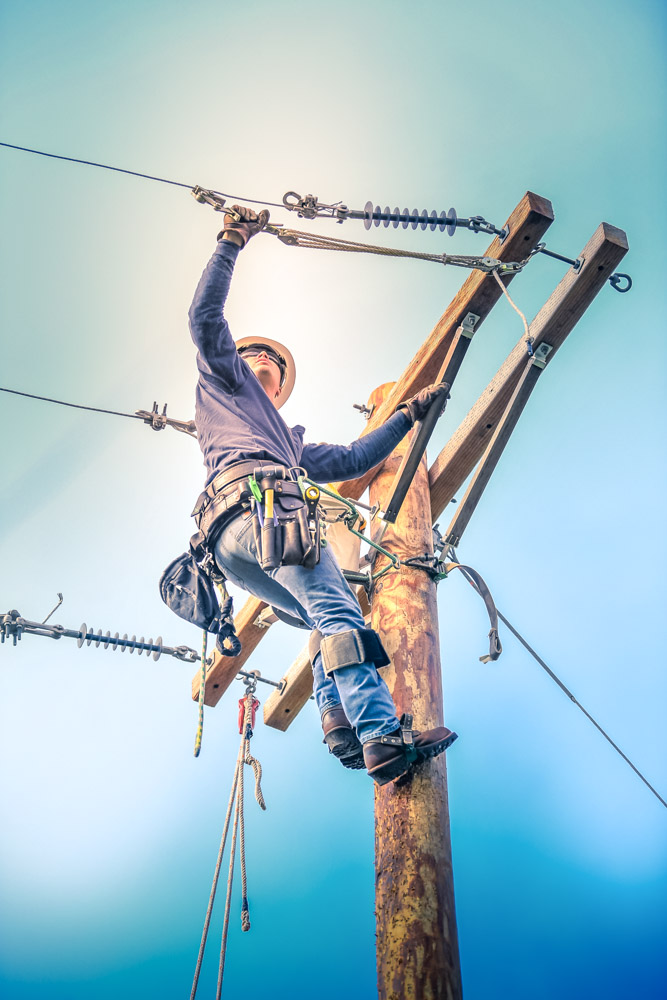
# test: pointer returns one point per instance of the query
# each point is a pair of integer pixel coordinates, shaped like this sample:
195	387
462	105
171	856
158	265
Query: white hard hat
290	374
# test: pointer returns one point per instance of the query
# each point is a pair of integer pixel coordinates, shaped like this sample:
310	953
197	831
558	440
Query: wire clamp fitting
158	421
468	324
216	201
540	355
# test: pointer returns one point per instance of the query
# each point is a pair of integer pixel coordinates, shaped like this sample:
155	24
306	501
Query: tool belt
286	526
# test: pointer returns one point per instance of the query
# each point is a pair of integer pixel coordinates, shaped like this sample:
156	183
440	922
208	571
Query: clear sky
110	827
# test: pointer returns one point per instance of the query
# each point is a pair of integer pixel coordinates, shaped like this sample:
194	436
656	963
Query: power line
76	406
136	173
567	691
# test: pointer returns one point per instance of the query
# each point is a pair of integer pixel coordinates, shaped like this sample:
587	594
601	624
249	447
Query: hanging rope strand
214	887
514	306
230	878
250	704
202	695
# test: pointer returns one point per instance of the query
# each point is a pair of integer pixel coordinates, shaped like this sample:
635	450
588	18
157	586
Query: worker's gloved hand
240	232
418	406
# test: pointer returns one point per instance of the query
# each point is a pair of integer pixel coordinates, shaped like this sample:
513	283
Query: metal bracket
158	421
365	410
470	321
540	356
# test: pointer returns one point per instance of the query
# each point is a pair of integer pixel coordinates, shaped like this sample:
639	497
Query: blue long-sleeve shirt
236	421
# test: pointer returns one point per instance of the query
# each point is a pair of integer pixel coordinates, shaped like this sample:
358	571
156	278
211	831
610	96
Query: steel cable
566	690
135	173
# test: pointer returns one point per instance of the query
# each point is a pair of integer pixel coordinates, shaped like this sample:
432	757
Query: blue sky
110	827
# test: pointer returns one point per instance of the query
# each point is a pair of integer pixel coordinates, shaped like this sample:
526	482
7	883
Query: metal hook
60	601
616	279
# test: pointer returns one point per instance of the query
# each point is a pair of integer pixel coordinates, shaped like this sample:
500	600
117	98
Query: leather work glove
418	406
240	232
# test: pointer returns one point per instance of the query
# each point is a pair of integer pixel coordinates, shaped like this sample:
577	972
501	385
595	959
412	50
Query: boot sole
399	767
346	747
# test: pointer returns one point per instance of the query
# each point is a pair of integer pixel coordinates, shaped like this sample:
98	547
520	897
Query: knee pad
314	643
349	649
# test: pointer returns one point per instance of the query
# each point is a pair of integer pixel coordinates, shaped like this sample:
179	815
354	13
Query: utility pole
417	940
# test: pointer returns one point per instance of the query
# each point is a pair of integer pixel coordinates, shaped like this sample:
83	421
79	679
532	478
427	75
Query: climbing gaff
424	428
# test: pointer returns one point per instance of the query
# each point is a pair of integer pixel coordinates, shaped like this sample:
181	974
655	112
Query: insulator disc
387	212
82	629
134	639
434	221
415	218
98	638
424	220
397	212
123	648
368	215
158	651
406	221
115	641
442	222
378	212
107	637
451	218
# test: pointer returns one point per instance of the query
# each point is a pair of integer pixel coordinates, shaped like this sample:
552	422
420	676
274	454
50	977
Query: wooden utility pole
417	940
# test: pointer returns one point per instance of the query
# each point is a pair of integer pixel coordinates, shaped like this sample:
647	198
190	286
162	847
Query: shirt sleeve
216	351
331	462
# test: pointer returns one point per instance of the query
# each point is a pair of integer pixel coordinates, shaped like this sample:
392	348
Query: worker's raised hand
249	225
418	406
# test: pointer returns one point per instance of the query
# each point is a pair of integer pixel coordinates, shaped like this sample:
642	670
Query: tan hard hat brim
290	377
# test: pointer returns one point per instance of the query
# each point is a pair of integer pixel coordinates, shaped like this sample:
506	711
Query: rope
202	694
514	306
214	887
565	690
238	833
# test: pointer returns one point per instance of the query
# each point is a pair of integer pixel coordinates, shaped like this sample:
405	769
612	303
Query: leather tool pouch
289	537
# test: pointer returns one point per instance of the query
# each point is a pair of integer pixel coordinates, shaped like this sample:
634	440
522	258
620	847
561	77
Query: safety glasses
253	350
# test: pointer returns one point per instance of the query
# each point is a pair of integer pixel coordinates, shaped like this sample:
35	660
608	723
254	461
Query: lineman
252	514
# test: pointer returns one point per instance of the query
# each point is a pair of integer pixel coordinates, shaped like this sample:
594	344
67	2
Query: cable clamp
216	201
470	321
540	355
158	421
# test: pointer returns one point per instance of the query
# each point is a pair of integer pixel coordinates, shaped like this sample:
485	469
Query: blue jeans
323	600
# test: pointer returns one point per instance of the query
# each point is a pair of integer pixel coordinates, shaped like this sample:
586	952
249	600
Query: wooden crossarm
224	669
478	294
557	317
282	707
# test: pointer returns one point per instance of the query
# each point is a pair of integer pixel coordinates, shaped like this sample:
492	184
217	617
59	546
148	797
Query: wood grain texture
282	707
553	323
224	669
478	294
417	941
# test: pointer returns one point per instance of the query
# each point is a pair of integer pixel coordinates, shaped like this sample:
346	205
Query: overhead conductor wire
76	406
565	689
134	173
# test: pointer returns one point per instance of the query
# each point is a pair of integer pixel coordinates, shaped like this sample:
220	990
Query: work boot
341	738
391	756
